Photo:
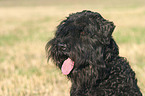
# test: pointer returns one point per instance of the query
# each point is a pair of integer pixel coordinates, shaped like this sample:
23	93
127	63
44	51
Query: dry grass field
26	26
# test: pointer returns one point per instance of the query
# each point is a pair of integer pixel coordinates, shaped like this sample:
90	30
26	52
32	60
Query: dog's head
82	41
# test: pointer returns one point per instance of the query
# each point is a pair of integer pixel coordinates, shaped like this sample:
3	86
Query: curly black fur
86	38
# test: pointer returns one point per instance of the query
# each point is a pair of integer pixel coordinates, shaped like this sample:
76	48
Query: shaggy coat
86	39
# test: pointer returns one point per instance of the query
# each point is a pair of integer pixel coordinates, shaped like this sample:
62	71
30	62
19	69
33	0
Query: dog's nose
62	46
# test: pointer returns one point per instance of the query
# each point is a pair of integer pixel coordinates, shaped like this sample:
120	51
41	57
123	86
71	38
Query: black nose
62	46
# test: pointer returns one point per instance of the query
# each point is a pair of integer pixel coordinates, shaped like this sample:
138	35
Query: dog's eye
82	33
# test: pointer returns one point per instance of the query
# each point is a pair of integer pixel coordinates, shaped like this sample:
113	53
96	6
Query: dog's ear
106	30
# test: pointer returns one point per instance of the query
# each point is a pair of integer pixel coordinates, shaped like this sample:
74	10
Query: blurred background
27	25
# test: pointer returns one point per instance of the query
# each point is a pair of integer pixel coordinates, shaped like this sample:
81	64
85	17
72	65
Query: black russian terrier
84	49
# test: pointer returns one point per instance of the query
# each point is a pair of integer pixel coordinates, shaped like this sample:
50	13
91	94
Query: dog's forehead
86	14
85	24
77	21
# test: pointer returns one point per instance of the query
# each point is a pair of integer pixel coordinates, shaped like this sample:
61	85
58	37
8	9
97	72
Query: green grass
130	35
26	26
30	30
8	39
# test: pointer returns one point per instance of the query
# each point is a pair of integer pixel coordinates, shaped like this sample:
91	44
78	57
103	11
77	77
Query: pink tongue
67	66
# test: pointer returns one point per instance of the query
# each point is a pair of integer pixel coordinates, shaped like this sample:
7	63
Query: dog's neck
85	76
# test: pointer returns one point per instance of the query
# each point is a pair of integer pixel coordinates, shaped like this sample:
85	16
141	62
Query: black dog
83	48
